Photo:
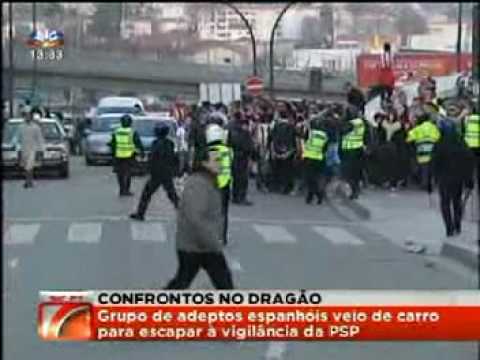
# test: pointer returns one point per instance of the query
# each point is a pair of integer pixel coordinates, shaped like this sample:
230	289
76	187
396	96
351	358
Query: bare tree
410	22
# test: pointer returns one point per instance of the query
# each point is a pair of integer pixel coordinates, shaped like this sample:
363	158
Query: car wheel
88	161
65	171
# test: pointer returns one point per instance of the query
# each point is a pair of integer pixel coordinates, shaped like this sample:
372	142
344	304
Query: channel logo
65	317
46	39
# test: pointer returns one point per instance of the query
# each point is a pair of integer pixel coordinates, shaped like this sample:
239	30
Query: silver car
54	156
96	148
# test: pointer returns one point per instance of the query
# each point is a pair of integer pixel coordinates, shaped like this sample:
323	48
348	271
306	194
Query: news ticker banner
259	315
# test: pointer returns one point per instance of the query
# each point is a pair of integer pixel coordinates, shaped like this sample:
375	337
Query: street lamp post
34	23
250	30
10	59
459	37
272	41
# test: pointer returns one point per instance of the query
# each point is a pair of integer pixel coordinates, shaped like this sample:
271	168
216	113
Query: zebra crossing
91	232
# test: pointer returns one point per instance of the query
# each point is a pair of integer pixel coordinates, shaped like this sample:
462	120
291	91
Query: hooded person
452	167
162	165
31	143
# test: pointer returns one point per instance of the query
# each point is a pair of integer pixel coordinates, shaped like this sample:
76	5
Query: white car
120	105
54	156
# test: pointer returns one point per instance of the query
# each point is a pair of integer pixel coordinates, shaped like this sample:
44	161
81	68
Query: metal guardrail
77	63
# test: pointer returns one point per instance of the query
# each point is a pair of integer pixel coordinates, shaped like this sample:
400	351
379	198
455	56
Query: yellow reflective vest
226	156
314	146
354	139
472	131
424	136
124	145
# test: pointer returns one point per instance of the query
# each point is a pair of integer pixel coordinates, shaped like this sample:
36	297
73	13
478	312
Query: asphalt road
75	234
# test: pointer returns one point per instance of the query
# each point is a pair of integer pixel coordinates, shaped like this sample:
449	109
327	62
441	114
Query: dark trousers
240	179
313	179
190	263
451	206
426	176
352	161
283	173
151	187
123	169
225	206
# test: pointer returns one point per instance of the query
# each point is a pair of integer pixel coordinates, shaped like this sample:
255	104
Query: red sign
254	85
435	64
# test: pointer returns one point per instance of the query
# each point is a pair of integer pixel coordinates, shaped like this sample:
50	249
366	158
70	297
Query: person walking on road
200	227
162	165
31	143
125	141
453	167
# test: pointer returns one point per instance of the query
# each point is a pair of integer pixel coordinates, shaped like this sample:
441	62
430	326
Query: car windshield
10	132
107	124
146	127
118	110
50	132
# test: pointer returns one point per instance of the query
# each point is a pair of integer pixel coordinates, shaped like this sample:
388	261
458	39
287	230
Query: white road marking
84	232
234	264
12	263
274	234
276	350
337	236
21	234
158	216
151	231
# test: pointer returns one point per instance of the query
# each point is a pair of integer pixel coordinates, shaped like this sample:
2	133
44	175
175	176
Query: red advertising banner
434	64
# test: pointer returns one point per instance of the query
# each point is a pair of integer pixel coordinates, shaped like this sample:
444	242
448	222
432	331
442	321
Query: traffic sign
254	85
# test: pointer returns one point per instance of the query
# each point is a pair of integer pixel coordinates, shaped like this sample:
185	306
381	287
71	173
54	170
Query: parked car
53	157
120	105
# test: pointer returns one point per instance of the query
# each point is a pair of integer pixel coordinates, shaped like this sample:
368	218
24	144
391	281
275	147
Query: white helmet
214	133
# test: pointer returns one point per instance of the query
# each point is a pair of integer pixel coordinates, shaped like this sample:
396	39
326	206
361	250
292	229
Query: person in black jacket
162	165
241	142
453	165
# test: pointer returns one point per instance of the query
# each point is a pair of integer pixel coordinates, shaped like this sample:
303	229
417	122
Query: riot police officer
314	150
352	150
125	141
162	165
215	138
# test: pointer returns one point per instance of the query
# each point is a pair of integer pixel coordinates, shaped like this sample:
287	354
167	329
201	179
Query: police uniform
124	143
352	154
472	138
314	162
224	179
424	135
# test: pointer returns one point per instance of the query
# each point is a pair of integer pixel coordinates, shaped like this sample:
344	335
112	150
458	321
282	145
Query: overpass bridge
97	71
